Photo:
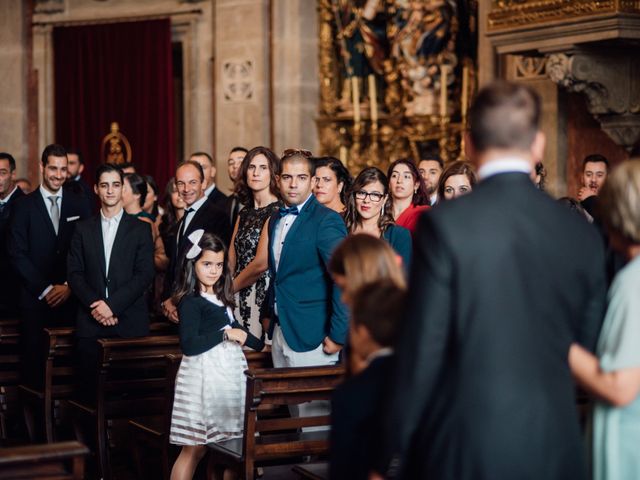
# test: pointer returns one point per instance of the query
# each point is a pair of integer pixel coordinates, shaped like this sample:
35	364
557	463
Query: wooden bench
54	461
270	441
154	433
130	382
9	373
57	383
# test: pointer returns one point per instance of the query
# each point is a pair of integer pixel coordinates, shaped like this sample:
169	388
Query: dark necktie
184	223
284	211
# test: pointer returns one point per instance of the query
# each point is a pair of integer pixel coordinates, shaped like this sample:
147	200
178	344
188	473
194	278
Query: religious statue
116	141
422	36
361	27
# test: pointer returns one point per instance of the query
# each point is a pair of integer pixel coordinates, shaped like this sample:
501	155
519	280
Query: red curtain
118	72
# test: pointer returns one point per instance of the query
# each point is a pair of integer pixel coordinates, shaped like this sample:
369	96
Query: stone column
13	84
296	80
242	84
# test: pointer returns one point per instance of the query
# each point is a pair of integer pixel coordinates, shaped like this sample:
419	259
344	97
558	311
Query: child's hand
236	335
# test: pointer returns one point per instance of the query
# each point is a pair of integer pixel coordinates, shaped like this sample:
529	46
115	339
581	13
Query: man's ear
214	170
538	146
95	189
81	169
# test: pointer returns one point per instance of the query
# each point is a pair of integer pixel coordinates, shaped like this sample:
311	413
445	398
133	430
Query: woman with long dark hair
409	197
332	183
257	189
369	211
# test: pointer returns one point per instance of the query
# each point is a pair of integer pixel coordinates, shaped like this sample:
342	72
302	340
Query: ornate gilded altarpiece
396	78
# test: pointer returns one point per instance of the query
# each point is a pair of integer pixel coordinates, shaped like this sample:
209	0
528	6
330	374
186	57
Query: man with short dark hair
9	193
110	268
234	164
208	165
199	214
41	228
430	168
308	321
503	281
594	173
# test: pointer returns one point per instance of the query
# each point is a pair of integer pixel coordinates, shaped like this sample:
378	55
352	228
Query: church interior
365	81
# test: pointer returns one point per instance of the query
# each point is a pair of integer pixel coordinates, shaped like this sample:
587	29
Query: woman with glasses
332	182
257	190
369	211
408	193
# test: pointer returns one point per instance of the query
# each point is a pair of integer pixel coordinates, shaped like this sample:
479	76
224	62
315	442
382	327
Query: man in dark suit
199	213
308	321
503	281
213	194
42	224
9	193
110	268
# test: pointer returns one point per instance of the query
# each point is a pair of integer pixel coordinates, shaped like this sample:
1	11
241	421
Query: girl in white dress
210	385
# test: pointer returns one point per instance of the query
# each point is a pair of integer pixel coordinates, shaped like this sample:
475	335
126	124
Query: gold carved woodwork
119	149
508	14
404	126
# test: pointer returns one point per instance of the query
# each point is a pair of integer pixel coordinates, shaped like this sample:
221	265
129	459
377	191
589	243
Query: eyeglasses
375	197
290	152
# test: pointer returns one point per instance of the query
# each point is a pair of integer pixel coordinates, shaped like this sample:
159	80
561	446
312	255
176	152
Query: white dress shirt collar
301	205
504	165
8	197
209	189
46	194
117	217
198	204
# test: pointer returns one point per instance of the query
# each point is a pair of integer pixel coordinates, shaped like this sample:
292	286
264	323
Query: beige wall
13	96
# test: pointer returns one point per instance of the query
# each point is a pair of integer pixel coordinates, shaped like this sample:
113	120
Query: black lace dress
249	299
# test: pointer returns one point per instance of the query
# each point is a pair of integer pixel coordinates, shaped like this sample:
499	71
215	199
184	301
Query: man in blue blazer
42	224
308	321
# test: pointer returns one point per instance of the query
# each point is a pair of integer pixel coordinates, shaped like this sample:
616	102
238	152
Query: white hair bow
194	238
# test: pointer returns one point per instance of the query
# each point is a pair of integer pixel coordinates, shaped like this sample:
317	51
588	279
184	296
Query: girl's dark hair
420	197
138	186
169	218
154	186
459	167
365	177
187	283
242	189
342	174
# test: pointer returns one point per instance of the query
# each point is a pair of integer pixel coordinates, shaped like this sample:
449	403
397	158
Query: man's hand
330	347
170	311
585	192
109	322
58	295
101	311
375	476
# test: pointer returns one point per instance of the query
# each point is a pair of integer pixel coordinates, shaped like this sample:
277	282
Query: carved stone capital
608	80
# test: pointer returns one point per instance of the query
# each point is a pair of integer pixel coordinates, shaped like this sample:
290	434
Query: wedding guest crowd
463	300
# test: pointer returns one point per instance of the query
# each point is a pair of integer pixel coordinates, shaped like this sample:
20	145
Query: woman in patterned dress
257	189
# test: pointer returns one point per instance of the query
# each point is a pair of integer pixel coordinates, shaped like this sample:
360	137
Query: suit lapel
275	217
121	233
97	240
42	207
303	217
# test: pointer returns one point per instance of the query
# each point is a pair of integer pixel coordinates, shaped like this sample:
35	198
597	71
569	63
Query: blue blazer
400	240
309	305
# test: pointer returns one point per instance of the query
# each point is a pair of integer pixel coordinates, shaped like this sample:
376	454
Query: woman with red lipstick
408	193
332	182
369	211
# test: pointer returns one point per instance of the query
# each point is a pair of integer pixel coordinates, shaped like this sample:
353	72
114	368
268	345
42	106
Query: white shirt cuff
45	291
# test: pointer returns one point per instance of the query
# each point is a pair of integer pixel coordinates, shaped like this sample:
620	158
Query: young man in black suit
41	228
110	268
503	281
9	193
199	213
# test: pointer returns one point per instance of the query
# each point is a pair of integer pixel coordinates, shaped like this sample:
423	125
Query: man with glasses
307	320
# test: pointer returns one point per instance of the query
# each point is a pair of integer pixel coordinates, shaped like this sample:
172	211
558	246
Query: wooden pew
130	382
57	382
54	461
154	433
265	441
9	373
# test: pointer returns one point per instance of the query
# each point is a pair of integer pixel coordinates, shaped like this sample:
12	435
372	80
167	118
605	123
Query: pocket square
71	219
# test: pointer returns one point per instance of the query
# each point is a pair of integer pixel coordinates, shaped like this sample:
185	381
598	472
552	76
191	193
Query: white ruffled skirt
209	397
